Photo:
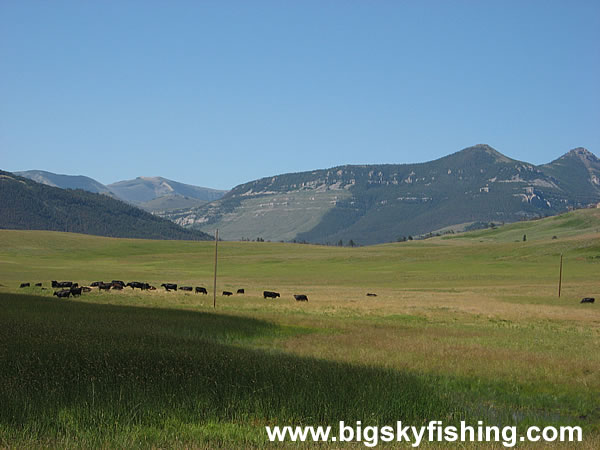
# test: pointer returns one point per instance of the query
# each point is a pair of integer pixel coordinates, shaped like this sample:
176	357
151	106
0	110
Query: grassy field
467	327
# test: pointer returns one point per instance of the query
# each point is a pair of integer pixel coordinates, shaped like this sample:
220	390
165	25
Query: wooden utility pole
215	281
560	276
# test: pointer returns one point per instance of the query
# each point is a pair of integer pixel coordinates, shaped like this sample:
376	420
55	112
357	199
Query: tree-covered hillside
27	205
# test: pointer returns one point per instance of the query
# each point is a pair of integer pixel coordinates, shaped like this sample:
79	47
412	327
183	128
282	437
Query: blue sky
218	93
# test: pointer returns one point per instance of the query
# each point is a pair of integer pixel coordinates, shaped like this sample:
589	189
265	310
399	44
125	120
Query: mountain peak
145	189
485	148
582	153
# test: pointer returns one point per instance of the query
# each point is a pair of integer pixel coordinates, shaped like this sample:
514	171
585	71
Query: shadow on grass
143	324
71	369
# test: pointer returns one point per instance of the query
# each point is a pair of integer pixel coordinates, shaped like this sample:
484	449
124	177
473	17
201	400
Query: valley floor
461	329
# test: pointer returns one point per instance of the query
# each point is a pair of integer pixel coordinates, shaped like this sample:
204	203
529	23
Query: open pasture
463	328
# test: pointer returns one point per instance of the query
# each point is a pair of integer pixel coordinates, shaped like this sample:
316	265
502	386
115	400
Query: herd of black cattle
70	288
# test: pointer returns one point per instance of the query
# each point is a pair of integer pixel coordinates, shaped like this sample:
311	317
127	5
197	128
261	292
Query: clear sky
217	93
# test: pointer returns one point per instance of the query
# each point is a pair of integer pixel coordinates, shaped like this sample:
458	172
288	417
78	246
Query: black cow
75	291
116	286
371	295
588	300
62	284
23	285
137	284
169	286
63	293
104	286
301	297
96	283
227	293
38	284
122	283
241	291
270	294
200	289
186	288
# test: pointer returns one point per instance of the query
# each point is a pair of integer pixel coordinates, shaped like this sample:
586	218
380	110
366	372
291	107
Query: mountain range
370	204
154	194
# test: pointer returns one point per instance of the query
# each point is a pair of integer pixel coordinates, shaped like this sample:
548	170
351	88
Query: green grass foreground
468	328
88	374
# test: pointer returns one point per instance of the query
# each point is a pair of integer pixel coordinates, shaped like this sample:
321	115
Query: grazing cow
270	294
38	284
169	286
62	284
23	285
122	283
241	291
139	285
227	293
63	293
588	300
96	283
371	295
186	288
301	297
116	286
200	289
104	286
75	291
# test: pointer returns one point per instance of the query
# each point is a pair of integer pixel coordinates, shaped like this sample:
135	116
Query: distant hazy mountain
28	205
381	203
65	181
146	189
150	193
172	202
